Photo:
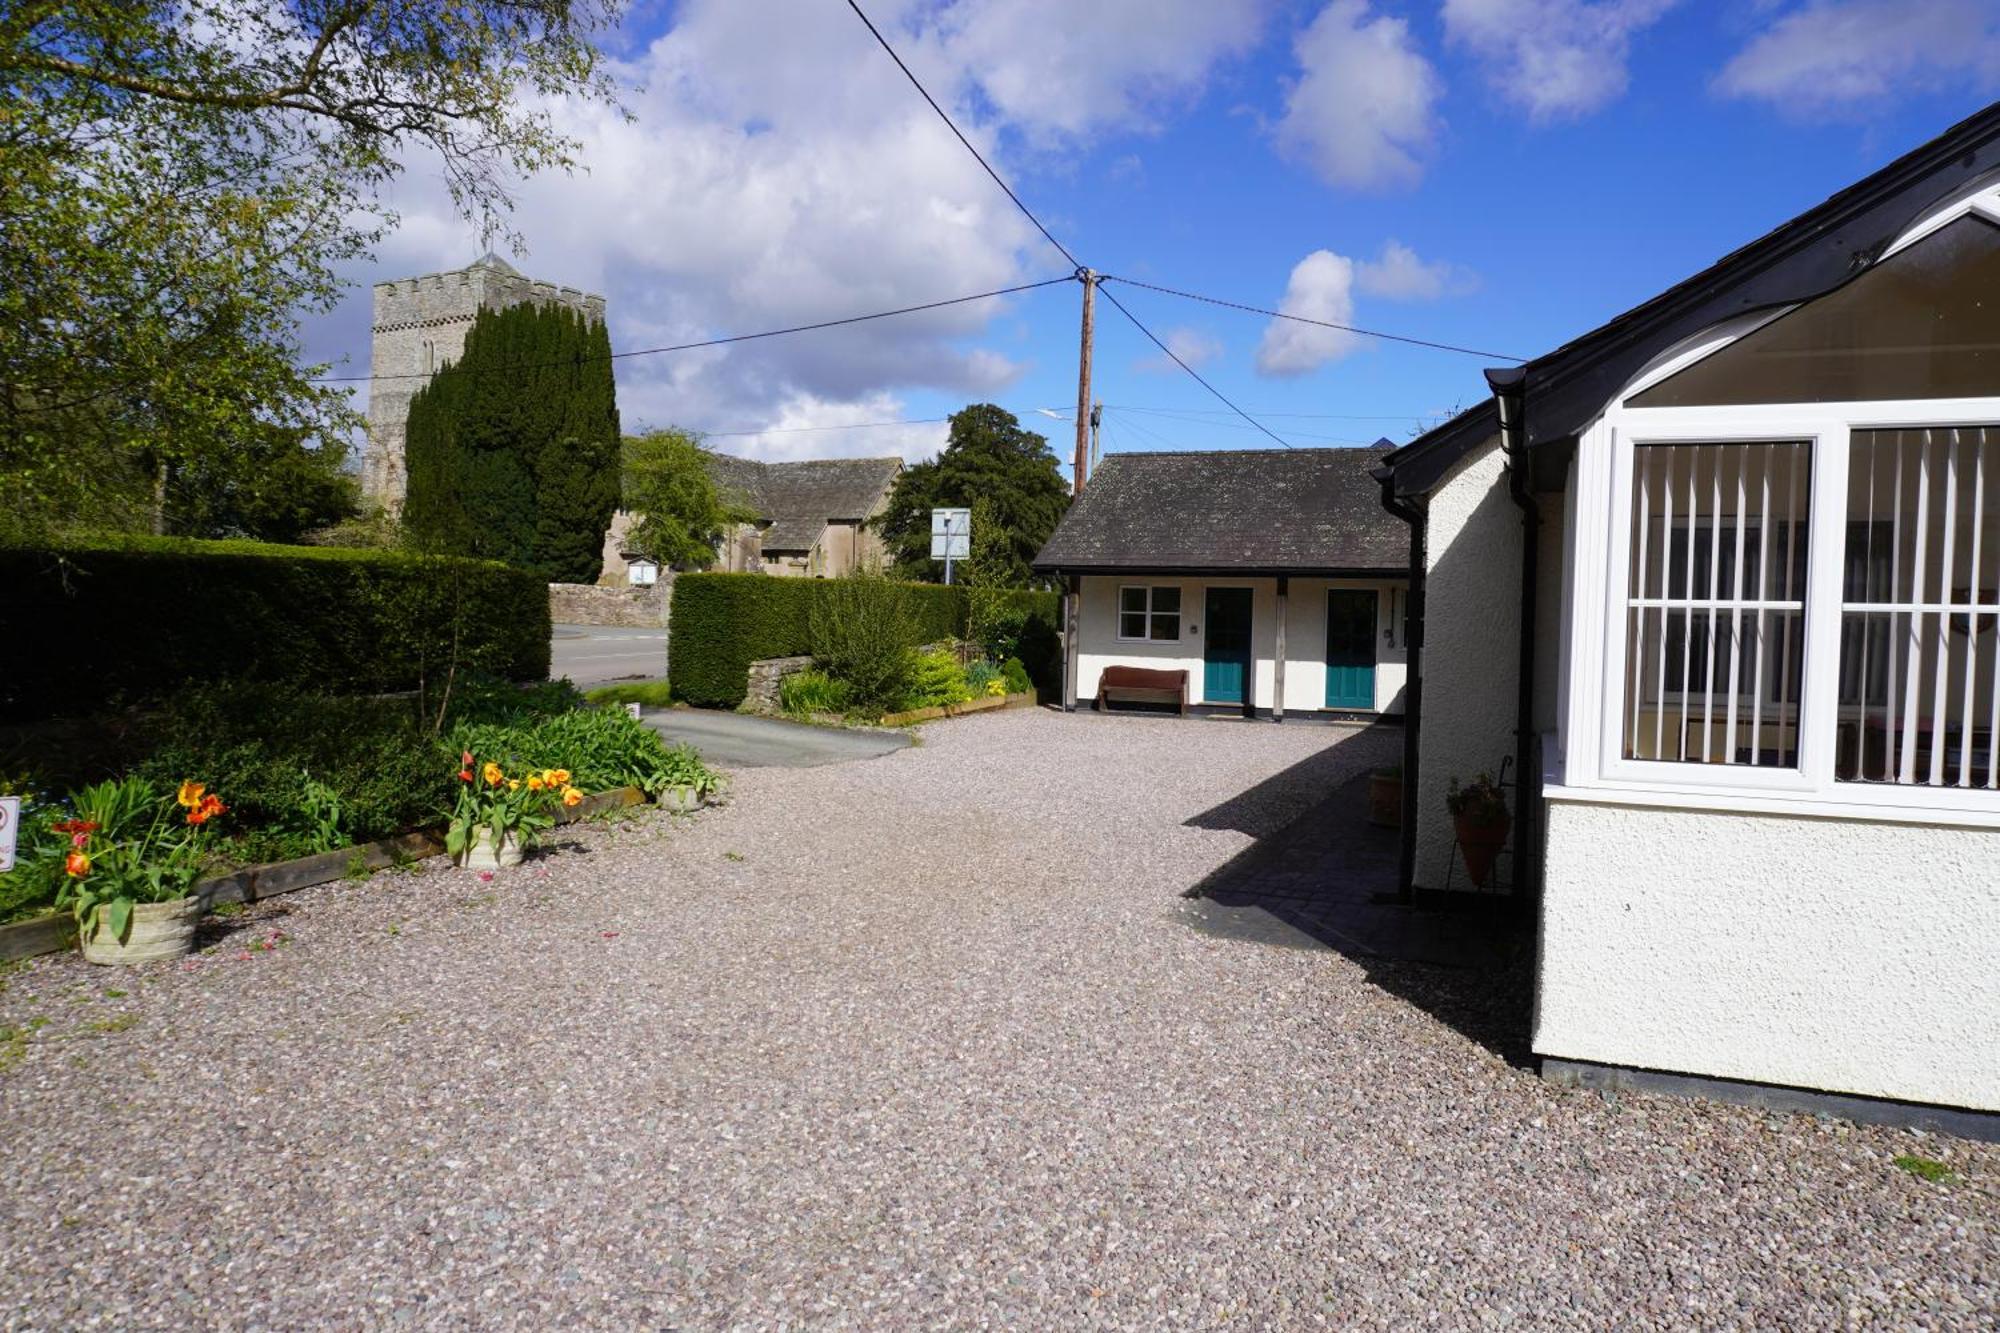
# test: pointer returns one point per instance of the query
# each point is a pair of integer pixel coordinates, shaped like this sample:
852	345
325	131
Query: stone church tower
420	324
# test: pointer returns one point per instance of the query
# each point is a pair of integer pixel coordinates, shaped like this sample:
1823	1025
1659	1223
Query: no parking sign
10	823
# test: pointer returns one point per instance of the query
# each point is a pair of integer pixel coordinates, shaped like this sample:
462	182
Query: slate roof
1272	511
797	500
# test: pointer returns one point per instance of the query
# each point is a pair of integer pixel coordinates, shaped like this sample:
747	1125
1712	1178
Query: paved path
598	654
738	740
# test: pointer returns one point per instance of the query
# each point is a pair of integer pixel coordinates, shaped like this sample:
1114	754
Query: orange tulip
559	776
535	782
493	774
77	864
209	808
572	797
190	794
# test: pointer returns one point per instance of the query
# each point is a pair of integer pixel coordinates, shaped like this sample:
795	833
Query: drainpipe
1411	513
1510	389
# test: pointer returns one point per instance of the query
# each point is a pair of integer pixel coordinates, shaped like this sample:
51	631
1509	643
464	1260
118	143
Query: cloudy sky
1500	174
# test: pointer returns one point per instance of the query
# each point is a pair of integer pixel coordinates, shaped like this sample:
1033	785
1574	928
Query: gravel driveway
918	1042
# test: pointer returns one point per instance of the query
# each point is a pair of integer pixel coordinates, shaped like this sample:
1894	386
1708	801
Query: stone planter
1479	844
481	854
1385	799
681	800
158	931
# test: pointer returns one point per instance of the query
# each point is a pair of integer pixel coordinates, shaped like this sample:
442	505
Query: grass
1924	1168
645	693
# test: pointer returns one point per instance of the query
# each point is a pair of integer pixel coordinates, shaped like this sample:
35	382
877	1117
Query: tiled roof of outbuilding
799	499
1264	510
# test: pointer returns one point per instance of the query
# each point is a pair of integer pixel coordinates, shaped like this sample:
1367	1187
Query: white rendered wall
1833	954
1472	625
1098	645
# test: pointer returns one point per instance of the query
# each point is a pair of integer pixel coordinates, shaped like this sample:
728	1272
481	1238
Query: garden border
57	931
1021	699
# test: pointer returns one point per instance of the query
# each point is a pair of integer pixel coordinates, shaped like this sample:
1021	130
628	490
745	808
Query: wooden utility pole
1083	414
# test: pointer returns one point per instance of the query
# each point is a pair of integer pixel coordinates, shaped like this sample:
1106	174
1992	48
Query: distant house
811	519
1273	578
1720	583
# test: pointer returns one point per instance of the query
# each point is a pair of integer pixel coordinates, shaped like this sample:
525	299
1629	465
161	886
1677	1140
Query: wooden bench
1130	684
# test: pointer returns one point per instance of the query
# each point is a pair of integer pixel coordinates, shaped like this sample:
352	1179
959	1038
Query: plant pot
158	931
680	800
1479	844
1385	799
480	853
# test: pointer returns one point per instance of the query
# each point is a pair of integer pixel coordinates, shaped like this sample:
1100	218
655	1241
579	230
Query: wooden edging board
1025	699
57	931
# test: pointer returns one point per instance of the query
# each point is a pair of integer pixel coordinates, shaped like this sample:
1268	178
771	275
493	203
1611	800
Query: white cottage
1270	580
1722	579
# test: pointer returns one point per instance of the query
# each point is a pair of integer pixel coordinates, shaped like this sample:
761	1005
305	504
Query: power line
1320	323
949	124
800	430
1220	396
733	338
1296	416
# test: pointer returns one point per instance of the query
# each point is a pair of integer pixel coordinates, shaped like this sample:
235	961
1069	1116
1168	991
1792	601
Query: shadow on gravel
1321	876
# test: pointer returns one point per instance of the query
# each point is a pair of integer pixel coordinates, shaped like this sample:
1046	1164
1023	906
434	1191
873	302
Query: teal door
1350	648
1225	651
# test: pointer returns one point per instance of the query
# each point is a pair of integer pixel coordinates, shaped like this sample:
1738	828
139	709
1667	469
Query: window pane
1920	617
1921	324
1167	599
1166	628
1131	599
1715	611
1131	625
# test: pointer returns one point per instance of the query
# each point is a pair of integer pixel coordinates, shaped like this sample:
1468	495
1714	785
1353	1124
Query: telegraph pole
1083	413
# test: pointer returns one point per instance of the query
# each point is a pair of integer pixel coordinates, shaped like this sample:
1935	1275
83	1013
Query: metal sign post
951	537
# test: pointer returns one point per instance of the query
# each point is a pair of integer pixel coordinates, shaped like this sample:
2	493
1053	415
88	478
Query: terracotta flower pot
158	931
1385	799
1479	844
481	853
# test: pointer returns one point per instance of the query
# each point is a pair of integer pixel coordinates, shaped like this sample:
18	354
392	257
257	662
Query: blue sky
1502	174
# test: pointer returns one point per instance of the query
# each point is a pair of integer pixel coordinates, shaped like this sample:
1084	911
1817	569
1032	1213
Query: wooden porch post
1072	617
1278	673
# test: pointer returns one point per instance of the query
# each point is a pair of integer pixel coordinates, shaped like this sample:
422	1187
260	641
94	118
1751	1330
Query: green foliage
863	630
936	681
181	182
990	464
645	693
1022	626
1925	1168
980	675
133	844
512	450
602	748
140	618
679	514
276	487
1016	676
724	622
808	693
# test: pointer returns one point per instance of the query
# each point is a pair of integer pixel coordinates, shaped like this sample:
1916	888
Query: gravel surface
923	1041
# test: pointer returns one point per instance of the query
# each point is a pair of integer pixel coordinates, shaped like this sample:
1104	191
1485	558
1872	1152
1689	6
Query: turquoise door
1225	651
1350	648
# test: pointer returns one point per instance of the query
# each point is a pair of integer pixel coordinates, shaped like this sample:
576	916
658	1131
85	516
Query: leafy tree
679	513
989	463
512	450
181	180
276	488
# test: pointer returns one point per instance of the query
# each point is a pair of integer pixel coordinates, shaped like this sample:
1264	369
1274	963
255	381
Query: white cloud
1556	59
1399	275
1361	112
778	170
1321	287
1193	346
1830	54
807	427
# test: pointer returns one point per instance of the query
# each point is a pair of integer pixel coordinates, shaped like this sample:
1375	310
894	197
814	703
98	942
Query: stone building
419	325
812	518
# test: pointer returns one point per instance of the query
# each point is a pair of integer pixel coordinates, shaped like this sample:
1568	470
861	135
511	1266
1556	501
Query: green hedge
119	621
724	622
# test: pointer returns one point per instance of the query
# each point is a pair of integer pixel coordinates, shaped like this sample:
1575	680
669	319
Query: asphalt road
596	655
738	740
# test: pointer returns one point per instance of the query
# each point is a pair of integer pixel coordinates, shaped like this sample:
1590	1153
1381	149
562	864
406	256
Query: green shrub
602	748
804	693
980	675
863	631
1016	676
936	680
645	693
134	619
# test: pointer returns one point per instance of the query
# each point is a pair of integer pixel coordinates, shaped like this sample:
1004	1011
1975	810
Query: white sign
951	534
10	824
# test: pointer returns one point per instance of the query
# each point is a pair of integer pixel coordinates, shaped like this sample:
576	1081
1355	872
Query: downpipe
1510	387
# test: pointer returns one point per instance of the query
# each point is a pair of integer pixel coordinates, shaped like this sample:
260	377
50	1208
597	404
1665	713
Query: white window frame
1118	613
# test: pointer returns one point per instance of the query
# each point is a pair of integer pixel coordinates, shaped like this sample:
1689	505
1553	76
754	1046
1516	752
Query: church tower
420	324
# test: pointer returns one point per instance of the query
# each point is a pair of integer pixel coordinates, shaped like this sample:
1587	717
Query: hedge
124	620
721	623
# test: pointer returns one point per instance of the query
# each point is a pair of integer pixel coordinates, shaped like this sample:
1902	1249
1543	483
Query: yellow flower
513	784
190	794
491	773
535	782
572	797
559	776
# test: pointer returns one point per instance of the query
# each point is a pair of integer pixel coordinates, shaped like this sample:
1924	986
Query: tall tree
679	514
512	450
180	181
992	464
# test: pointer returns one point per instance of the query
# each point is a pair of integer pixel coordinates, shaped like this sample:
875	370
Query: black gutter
1510	397
1413	514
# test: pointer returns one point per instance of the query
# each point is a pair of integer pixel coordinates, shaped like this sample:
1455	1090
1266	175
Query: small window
1151	614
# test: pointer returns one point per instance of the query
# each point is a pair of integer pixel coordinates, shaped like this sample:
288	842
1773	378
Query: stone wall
765	677
627	607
